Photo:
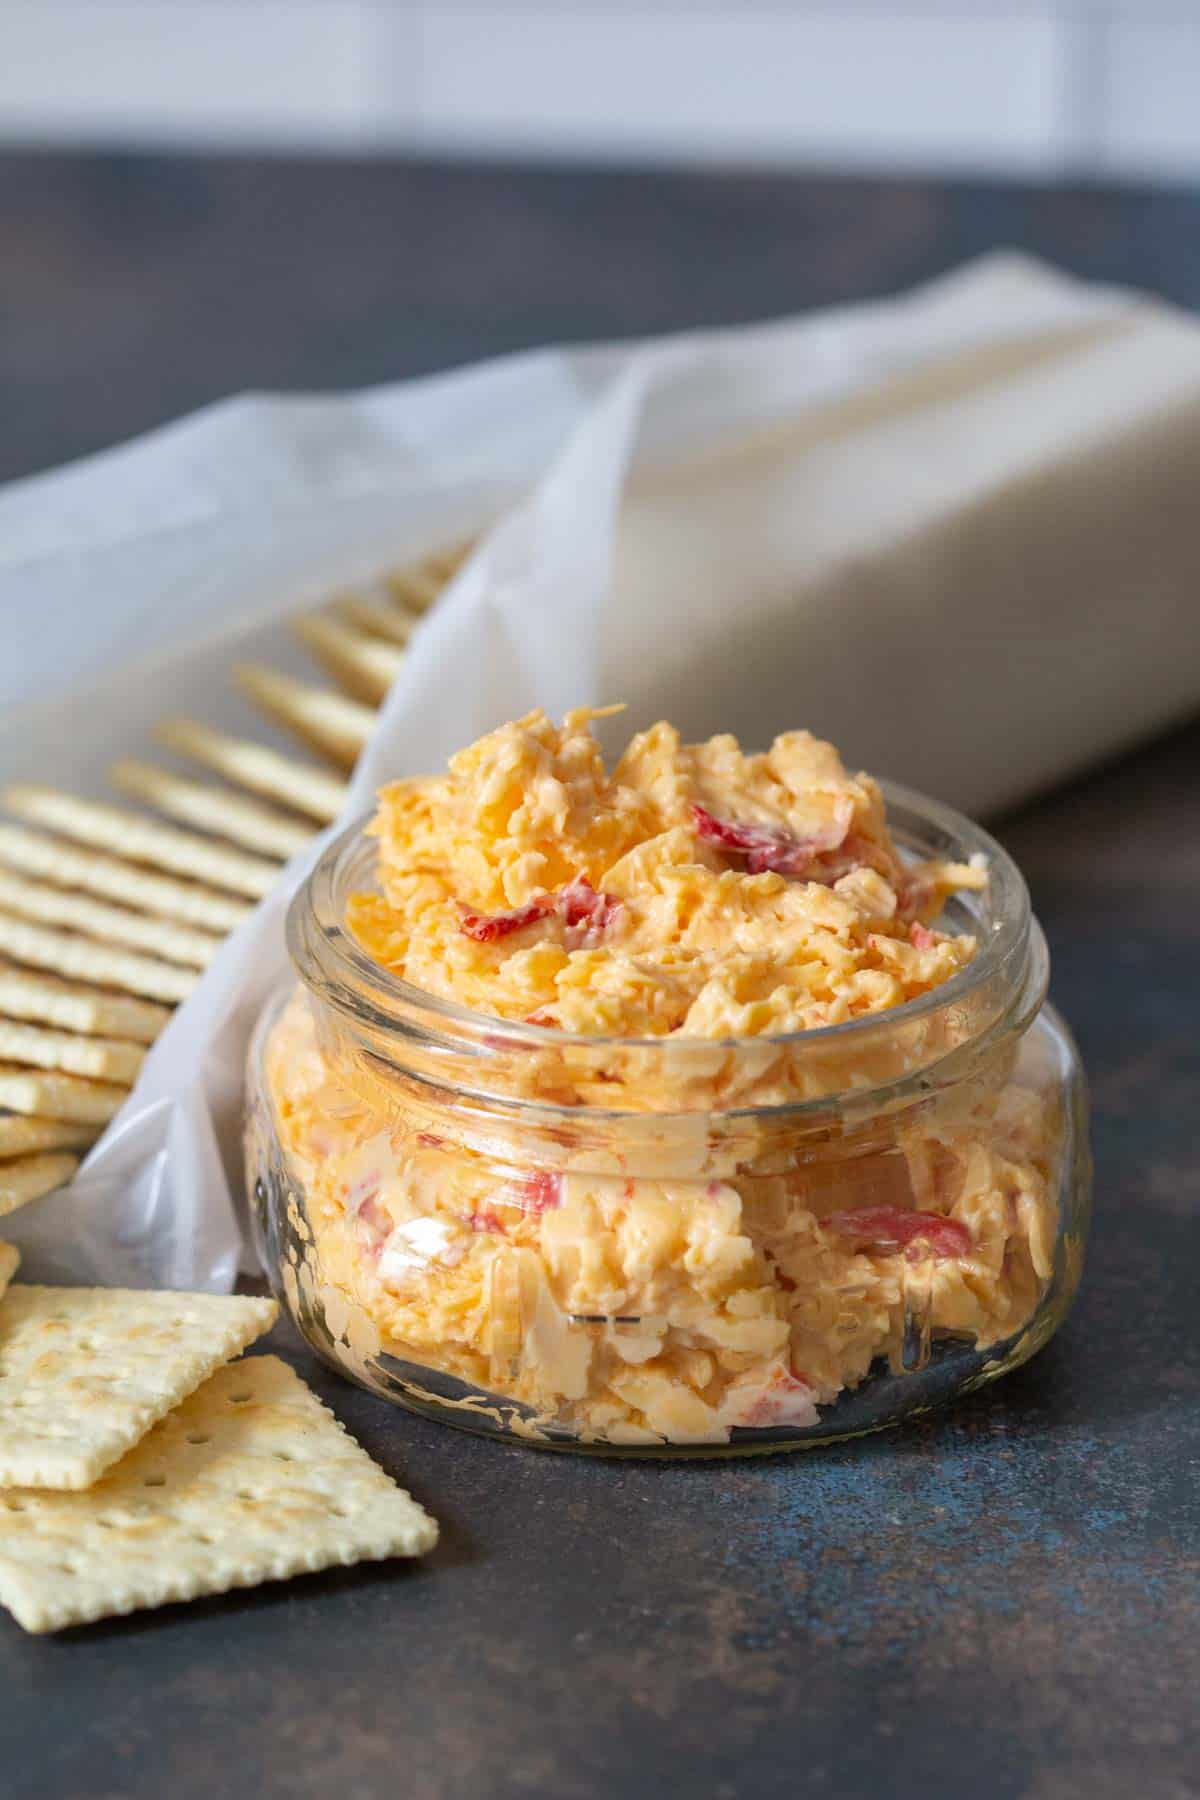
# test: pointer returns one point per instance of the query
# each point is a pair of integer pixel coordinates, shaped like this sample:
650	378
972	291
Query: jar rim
334	966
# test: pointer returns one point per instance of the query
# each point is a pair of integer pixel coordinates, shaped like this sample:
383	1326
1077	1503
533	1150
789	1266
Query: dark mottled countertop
1001	1600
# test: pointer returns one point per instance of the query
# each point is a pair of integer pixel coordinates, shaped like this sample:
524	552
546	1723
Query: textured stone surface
999	1601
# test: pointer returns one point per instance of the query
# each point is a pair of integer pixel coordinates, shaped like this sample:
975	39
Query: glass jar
671	1246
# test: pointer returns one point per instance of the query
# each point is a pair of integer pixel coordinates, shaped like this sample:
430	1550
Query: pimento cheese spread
692	892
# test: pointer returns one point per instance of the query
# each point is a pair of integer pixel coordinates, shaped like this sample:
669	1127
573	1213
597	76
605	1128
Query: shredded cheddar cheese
692	892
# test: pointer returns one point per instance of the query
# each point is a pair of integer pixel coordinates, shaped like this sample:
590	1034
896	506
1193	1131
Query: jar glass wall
671	1246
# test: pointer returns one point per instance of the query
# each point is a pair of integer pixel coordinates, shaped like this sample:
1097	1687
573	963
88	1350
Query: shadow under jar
671	1246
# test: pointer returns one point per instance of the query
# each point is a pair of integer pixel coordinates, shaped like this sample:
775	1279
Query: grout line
1086	96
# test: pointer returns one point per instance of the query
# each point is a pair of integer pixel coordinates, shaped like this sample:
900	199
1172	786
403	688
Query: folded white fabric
977	577
956	532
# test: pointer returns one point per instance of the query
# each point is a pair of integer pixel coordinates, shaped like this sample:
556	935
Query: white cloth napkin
956	532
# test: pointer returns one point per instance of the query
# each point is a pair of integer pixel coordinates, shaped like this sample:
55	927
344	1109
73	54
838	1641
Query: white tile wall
761	83
1151	116
1017	85
251	71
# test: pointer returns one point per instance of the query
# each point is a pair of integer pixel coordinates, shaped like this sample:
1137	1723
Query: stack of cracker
108	915
140	1464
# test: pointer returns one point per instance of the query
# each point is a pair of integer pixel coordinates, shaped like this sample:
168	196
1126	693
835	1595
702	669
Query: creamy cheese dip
691	893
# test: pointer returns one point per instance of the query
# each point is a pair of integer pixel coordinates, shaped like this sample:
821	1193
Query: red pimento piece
786	1399
430	1140
769	850
578	905
485	928
486	1220
920	936
761	847
581	906
374	1226
540	1192
890	1228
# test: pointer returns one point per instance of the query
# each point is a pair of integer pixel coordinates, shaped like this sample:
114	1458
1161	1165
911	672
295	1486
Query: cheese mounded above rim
694	890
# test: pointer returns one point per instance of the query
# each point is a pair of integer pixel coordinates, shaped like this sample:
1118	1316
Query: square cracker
45	1000
85	960
327	721
250	1480
419	584
10	1258
378	616
22	1136
131	834
364	665
219	810
302	786
105	1059
85	1372
43	904
50	859
29	1177
51	1095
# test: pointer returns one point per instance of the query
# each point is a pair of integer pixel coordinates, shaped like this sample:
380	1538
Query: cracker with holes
327	721
85	1372
82	959
44	999
44	904
55	1096
252	1479
132	835
49	859
106	1059
28	1178
218	810
302	786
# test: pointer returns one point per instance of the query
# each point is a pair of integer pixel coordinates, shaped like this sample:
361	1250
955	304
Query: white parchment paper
953	531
